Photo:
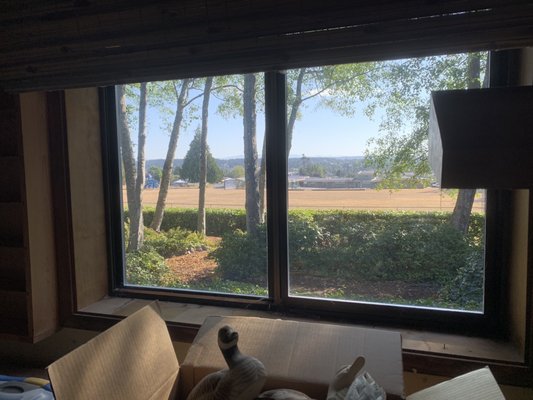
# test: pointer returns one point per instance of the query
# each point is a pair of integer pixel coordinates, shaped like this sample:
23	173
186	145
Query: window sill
423	351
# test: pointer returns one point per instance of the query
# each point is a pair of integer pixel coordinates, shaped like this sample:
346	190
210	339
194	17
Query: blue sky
319	132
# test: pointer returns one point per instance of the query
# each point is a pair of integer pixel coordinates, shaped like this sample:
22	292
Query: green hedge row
218	220
336	222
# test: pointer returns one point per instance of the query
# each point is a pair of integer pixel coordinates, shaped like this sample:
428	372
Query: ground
427	199
197	266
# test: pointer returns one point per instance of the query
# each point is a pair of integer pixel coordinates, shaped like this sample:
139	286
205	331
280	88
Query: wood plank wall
45	45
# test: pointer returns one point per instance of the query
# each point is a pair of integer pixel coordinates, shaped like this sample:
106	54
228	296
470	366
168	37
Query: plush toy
243	380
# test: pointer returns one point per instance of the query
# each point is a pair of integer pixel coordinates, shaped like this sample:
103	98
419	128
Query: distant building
233	183
179	183
151	183
330	183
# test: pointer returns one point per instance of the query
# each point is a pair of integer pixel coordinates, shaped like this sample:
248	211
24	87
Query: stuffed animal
242	380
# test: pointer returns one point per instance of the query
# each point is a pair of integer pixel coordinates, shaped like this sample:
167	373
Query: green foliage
403	91
218	221
410	247
146	267
413	252
466	288
156	172
174	242
315	170
242	257
191	163
236	172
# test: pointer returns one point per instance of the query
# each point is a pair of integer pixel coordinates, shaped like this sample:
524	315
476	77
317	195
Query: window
307	190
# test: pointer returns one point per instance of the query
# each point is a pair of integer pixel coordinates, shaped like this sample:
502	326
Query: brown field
428	199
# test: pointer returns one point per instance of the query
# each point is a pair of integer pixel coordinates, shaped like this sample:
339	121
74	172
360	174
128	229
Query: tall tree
253	217
339	87
403	91
190	168
240	97
134	171
203	156
460	218
181	90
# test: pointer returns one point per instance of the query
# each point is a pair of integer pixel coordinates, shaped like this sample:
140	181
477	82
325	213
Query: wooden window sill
421	343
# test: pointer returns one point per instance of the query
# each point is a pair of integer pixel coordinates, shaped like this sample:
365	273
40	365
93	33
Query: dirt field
429	199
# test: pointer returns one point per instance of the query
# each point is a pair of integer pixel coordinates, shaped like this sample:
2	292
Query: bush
147	268
173	242
466	288
414	251
243	257
218	221
410	247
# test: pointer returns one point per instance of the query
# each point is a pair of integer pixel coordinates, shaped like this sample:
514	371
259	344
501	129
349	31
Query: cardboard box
476	385
135	359
299	355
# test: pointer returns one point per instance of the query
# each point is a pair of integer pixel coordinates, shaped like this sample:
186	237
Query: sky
319	132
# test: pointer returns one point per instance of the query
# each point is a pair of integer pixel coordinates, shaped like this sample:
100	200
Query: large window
307	189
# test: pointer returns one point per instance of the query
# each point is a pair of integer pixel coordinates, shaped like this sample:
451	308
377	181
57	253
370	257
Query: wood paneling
85	43
28	292
88	212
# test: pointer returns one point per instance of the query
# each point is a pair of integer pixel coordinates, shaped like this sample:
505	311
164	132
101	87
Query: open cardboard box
135	359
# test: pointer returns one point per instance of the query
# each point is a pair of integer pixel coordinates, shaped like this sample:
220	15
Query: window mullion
276	164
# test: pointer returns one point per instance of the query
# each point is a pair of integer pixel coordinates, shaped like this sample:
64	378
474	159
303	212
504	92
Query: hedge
218	220
221	220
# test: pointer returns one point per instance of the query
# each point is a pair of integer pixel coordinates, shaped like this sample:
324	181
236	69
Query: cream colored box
476	385
132	360
302	356
135	359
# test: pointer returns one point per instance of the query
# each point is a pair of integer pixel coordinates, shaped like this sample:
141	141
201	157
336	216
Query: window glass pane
191	162
367	221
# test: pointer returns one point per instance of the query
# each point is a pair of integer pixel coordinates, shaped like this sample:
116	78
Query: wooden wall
63	44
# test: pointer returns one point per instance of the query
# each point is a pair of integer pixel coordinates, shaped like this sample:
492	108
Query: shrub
243	257
414	251
147	268
218	221
306	240
466	288
173	242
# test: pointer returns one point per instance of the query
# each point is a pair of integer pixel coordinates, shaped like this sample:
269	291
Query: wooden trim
178	332
276	166
102	43
508	373
61	202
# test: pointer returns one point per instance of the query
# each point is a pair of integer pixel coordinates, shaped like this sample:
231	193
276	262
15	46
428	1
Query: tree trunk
250	155
126	151
181	103
460	217
203	156
297	102
136	238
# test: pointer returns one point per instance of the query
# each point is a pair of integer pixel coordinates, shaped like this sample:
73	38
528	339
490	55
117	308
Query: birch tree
203	156
134	171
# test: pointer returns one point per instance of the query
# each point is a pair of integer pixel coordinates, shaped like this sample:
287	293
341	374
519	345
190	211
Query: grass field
428	199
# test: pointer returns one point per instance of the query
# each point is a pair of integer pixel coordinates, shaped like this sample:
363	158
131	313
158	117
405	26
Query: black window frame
491	322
